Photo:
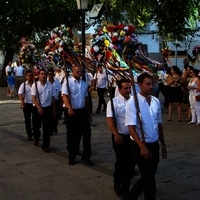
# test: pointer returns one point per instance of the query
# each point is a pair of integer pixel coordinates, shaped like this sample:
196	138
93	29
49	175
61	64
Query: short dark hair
98	66
51	70
28	71
42	69
121	81
141	77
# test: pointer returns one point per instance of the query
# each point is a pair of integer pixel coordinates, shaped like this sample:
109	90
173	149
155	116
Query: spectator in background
8	69
166	87
11	84
186	76
155	91
197	100
100	82
19	75
175	91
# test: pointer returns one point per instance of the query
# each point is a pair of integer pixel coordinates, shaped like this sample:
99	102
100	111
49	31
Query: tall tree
32	19
172	17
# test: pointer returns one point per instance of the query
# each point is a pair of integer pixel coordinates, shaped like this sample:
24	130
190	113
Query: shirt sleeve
64	89
90	77
21	89
130	113
33	90
109	112
159	114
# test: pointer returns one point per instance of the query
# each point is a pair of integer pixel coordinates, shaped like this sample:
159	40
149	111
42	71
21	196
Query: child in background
11	84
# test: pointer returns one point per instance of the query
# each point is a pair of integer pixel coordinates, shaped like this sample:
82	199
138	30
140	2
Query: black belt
79	109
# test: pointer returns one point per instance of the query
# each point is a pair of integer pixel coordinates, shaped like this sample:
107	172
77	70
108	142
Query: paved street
27	173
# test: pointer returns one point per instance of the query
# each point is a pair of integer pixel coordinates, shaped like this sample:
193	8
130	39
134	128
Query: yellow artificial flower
107	43
122	33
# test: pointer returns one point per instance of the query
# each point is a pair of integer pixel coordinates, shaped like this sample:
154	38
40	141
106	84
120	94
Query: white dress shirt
60	76
27	95
89	78
101	80
56	87
45	92
8	69
18	71
78	92
150	114
119	103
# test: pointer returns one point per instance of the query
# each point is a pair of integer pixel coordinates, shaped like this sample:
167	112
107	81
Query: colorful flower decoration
28	52
166	52
110	43
61	39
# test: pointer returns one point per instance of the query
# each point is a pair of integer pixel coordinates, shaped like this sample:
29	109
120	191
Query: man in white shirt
19	74
101	82
146	153
59	74
57	89
75	97
43	108
25	97
125	163
88	78
8	69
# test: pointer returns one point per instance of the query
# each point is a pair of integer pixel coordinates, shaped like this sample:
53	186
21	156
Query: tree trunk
9	56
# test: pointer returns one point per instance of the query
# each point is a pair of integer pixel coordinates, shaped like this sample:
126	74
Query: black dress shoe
56	131
98	111
46	150
36	141
78	154
119	191
71	162
87	161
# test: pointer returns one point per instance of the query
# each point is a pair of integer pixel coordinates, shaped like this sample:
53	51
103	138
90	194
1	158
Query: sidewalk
26	172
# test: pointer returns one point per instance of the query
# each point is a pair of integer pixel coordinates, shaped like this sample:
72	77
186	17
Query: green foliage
175	19
32	19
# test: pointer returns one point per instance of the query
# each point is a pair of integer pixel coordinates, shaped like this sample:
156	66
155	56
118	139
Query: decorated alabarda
119	47
28	52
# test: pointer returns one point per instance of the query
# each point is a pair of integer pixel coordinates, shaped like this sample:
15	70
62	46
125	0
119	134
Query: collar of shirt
142	98
75	80
122	98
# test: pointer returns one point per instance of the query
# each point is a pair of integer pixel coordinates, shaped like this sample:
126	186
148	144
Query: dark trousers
46	121
166	95
78	126
147	169
90	101
55	118
101	92
125	163
28	111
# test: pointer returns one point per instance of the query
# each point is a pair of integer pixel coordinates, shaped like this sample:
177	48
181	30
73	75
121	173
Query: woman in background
175	91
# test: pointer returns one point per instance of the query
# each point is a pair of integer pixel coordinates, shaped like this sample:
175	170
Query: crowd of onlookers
180	88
